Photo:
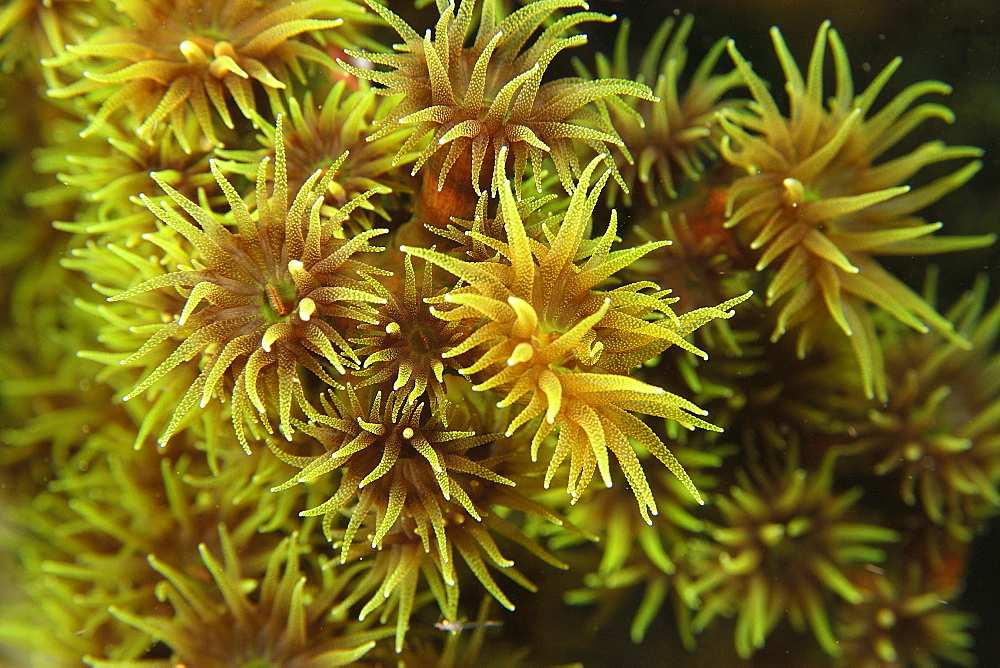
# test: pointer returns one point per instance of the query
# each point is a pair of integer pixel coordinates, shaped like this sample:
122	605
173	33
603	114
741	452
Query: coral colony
342	333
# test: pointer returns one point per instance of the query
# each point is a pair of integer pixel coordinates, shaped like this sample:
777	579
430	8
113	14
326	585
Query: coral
634	553
111	173
33	29
112	267
314	343
277	628
392	442
407	478
90	532
490	95
169	59
785	544
937	435
896	626
264	299
547	338
817	204
320	129
769	395
410	346
673	137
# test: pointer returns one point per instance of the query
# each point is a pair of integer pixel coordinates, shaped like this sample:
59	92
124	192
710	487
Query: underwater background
415	411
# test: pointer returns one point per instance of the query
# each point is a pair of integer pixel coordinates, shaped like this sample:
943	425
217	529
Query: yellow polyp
526	319
193	53
224	48
795	192
522	353
770	534
306	308
885	650
913	452
270	336
392	328
885	618
226	65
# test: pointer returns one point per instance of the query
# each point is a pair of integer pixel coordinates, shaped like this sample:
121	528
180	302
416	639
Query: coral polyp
260	302
785	546
170	59
906	625
467	333
408	344
395	444
111	174
407	479
481	98
545	337
818	204
674	136
937	435
320	130
275	629
33	29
